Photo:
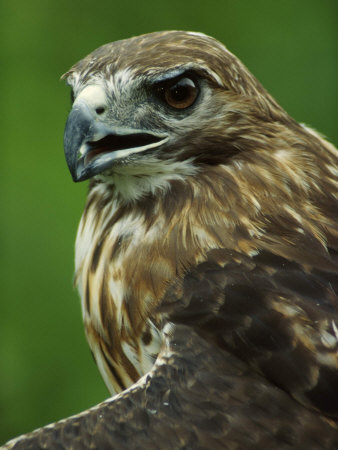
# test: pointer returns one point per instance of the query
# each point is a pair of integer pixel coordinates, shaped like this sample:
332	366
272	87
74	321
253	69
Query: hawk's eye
180	94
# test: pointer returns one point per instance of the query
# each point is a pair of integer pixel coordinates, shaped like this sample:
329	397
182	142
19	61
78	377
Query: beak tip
75	179
80	174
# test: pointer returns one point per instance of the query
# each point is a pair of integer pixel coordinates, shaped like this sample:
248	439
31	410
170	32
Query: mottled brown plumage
206	257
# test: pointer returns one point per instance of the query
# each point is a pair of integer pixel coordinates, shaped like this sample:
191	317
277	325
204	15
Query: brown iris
181	94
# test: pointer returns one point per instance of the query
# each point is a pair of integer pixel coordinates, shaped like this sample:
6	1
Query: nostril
99	110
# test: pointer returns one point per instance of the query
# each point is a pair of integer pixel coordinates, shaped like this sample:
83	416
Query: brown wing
198	396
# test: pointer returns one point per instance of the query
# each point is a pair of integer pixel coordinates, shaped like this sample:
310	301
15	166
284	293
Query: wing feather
197	396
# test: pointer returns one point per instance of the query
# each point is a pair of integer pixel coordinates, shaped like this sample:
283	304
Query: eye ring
180	94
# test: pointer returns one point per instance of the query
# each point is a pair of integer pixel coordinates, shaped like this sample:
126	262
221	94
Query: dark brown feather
200	397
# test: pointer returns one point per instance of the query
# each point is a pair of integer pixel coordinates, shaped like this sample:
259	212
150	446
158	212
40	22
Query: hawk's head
152	104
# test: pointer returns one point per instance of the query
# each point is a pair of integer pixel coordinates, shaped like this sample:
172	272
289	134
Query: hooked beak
92	147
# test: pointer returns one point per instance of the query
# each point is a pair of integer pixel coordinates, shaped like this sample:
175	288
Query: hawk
206	256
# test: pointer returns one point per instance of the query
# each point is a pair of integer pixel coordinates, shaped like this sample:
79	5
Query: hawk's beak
91	147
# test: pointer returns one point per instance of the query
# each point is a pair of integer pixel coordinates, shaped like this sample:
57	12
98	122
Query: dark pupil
181	90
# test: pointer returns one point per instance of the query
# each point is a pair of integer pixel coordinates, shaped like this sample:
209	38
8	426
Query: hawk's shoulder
277	314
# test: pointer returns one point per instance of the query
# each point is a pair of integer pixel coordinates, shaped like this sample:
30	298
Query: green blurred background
46	370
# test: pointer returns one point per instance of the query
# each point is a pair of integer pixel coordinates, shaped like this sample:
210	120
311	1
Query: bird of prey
206	256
